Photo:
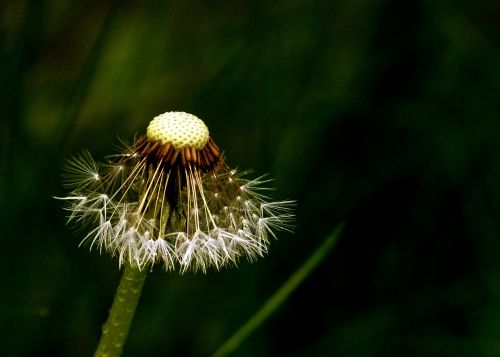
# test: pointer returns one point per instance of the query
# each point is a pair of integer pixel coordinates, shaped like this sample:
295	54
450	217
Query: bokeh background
384	114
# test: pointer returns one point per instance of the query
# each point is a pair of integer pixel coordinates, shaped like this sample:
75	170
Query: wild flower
170	198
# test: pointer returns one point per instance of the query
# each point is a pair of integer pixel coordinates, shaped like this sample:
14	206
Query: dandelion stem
274	302
116	327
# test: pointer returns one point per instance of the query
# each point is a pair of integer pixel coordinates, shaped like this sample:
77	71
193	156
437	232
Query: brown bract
167	155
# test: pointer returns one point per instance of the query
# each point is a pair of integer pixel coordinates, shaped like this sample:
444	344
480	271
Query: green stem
279	296
115	329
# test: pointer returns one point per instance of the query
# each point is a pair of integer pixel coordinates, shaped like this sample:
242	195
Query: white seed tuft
184	218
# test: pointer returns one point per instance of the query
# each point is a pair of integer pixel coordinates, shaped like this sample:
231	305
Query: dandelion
170	198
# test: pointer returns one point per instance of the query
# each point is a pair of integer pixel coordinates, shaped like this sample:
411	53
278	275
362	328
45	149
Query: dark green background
384	114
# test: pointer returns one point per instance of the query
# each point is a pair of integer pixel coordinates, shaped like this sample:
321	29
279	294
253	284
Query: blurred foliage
381	113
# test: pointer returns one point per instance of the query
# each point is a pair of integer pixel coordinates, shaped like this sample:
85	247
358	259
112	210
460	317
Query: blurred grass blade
79	92
281	294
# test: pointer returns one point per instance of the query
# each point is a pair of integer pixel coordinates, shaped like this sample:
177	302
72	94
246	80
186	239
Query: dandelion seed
170	198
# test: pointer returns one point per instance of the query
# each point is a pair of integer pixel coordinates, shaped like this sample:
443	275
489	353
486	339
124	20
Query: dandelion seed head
179	129
170	199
